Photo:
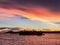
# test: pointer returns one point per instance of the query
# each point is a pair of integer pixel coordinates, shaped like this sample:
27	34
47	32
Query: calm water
15	39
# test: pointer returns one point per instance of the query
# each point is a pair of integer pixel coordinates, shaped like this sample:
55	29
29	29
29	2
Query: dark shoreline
32	32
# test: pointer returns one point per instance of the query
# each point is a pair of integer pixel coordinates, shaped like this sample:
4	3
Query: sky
33	14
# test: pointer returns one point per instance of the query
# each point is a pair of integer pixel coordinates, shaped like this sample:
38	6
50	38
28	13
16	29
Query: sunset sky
33	14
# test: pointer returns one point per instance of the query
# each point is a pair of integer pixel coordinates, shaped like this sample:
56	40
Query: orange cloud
32	16
32	13
44	13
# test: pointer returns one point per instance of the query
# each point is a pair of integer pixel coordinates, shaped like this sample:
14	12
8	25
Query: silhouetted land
32	32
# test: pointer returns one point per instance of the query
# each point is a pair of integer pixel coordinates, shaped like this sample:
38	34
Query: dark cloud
12	4
54	5
18	17
56	22
21	17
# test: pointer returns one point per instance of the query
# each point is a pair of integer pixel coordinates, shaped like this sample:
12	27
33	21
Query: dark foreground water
15	39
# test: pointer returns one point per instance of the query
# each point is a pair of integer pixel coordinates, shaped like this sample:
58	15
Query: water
16	39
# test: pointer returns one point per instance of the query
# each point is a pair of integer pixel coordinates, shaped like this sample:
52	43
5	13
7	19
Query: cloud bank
53	5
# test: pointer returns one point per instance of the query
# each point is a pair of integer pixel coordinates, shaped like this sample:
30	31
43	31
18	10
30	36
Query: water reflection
15	39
